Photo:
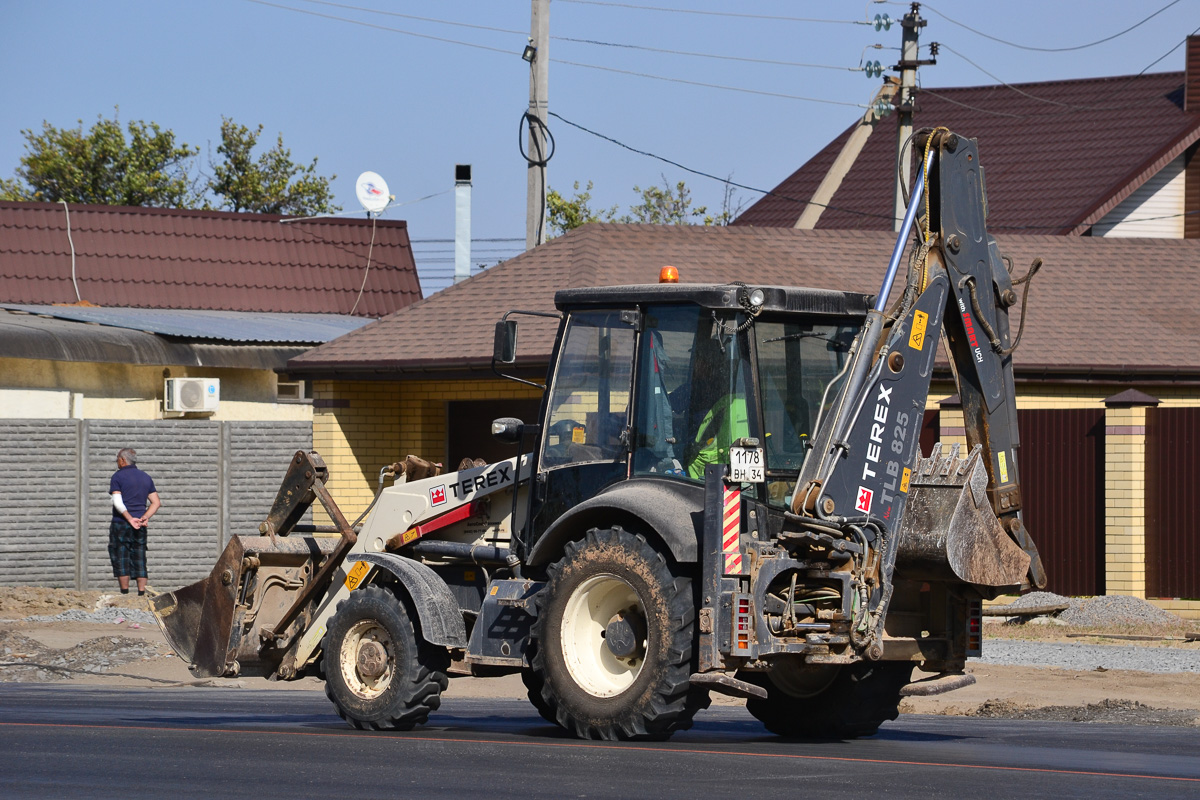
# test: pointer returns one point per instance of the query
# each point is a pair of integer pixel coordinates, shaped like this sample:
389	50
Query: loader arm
864	465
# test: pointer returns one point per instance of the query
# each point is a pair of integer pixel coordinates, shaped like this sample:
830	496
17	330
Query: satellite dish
372	191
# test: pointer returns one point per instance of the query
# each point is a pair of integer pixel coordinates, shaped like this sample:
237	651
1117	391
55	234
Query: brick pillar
1125	492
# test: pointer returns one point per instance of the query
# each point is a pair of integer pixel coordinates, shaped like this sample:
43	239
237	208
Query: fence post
81	504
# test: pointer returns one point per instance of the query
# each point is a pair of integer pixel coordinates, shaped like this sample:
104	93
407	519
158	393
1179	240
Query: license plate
746	465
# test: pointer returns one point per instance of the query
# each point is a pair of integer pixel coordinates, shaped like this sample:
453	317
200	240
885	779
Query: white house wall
37	389
1153	211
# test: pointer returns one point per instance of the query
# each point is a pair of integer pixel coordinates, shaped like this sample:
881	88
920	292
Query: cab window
589	398
691	392
796	362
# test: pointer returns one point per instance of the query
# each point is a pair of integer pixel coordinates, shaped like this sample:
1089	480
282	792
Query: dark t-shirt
135	487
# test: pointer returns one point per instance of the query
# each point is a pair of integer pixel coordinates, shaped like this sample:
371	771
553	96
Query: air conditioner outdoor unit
191	394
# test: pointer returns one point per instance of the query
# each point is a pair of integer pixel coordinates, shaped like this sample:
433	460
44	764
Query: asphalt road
83	742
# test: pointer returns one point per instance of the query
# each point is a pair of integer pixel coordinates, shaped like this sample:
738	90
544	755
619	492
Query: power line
414	17
726	181
1164	55
709	85
719	13
575	40
945	46
452	241
768	61
1028	47
558	61
382	27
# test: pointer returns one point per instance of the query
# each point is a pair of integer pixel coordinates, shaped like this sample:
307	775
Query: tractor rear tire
614	641
862	697
379	673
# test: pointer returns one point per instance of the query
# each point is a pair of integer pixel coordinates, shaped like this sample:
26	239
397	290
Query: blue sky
360	96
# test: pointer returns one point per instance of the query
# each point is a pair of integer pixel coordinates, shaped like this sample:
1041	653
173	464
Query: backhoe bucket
219	625
950	531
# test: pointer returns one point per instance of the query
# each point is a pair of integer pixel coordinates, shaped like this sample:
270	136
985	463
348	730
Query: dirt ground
130	653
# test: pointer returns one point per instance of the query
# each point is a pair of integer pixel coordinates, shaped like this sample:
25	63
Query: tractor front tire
614	641
855	703
379	673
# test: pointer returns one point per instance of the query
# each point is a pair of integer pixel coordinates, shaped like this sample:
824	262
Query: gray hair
128	454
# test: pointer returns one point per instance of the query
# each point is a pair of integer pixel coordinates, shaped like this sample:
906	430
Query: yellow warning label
469	575
409	536
578	435
356	574
904	479
1000	457
493	591
916	339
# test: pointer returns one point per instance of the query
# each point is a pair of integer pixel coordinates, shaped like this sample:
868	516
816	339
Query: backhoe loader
724	492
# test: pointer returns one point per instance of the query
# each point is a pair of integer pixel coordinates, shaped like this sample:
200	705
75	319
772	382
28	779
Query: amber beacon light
668	275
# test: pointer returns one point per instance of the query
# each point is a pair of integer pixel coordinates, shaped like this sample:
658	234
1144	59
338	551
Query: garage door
1172	475
1062	478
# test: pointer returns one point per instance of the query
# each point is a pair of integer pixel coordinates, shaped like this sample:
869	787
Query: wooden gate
1062	481
1172	475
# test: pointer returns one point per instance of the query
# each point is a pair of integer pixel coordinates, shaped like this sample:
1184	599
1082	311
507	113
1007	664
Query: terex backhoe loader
724	492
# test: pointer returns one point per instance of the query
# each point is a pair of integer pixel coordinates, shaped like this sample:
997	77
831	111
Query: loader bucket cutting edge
197	619
203	622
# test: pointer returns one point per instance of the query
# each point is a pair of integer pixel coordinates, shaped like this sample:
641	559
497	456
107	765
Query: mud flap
950	530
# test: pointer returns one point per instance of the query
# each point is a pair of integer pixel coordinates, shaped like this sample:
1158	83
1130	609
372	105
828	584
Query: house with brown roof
1092	157
168	331
129	296
1107	376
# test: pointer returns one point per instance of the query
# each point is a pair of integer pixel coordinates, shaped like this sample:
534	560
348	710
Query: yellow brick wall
360	427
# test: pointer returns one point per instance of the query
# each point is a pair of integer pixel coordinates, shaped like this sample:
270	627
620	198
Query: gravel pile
1115	609
113	616
1078	656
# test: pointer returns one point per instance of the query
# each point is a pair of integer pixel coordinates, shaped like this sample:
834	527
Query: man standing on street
135	501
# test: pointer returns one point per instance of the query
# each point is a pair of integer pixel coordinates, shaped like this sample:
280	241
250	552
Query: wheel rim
589	610
368	659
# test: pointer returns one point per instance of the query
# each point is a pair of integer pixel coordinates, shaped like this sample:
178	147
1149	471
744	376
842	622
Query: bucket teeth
945	466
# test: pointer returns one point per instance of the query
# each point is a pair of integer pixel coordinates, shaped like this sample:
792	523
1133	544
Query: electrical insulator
883	22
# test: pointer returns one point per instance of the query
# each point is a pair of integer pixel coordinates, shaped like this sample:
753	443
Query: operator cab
658	381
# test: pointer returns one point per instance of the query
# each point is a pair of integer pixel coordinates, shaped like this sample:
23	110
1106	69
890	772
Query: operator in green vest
725	423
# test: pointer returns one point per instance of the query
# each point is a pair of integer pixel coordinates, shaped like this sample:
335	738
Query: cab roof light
668	274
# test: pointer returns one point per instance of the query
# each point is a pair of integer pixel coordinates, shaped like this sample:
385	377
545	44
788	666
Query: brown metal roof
1099	307
1058	155
209	260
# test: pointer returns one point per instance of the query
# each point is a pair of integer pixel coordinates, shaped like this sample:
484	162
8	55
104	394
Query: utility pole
910	28
538	56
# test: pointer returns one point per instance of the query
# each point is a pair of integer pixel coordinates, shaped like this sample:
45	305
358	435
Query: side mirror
507	429
504	348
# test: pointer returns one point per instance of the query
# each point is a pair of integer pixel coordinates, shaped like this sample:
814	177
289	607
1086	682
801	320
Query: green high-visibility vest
724	423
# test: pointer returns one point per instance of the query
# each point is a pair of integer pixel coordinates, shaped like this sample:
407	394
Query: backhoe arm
865	447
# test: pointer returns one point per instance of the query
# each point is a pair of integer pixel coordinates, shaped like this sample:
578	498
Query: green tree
666	206
270	184
100	166
564	215
660	205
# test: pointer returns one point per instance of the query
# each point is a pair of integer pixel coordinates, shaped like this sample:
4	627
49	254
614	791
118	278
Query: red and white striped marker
731	532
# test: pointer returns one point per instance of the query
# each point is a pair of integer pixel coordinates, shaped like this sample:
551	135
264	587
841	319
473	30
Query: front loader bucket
950	531
215	623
